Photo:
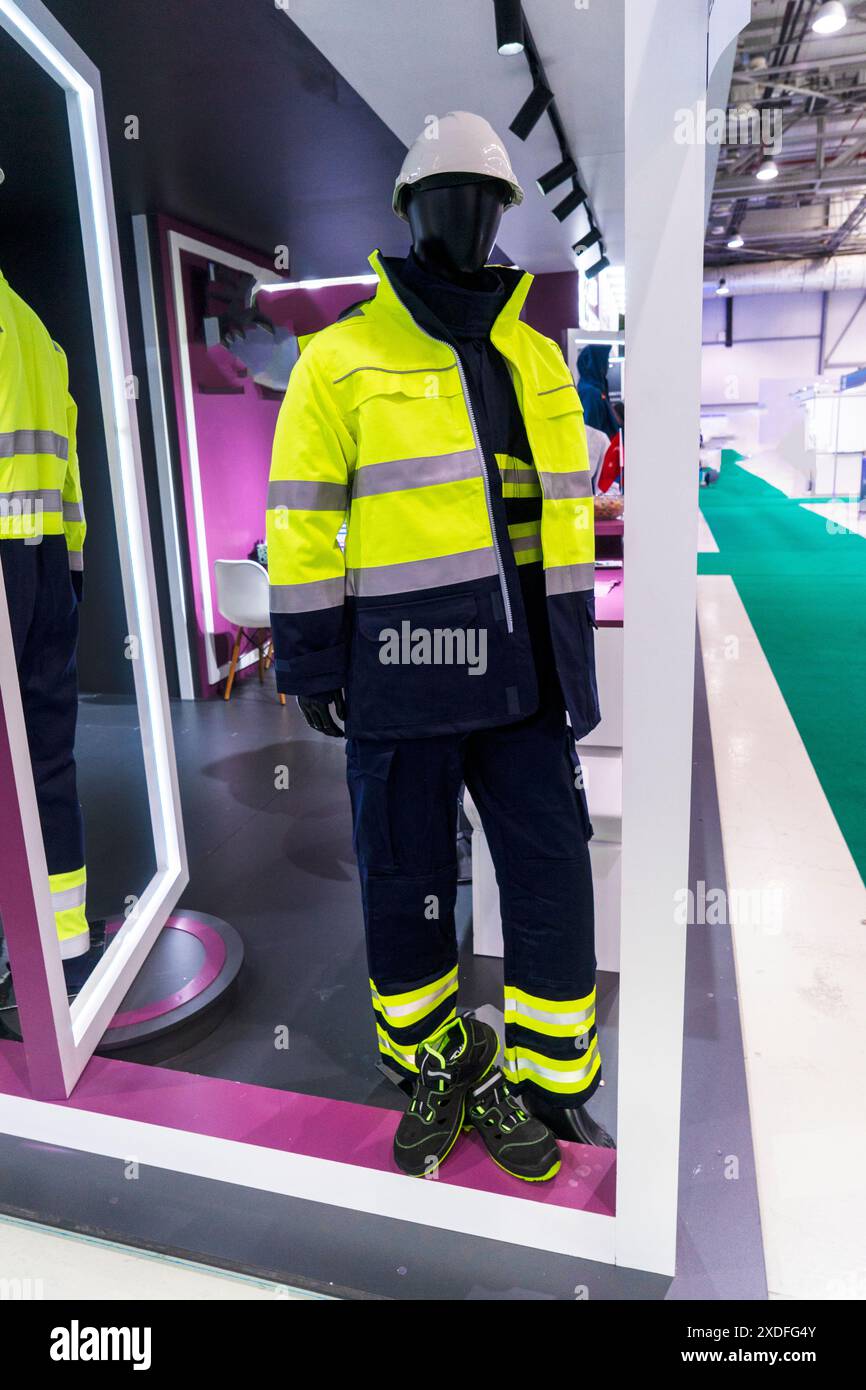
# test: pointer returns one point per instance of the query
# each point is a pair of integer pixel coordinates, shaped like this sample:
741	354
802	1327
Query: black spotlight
601	264
554	177
531	111
586	242
509	26
570	203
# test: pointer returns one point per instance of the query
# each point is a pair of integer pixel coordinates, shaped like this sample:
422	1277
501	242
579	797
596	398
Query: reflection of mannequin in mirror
41	539
455	430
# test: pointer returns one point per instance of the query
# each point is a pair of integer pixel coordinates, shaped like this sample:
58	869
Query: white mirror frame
55	1063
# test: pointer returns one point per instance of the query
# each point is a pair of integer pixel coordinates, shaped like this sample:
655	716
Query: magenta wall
551	305
234	423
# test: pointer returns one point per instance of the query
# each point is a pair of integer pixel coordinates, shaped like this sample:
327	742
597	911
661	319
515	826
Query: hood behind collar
592	364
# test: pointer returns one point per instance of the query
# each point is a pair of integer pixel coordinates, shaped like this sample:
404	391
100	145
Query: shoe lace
429	1099
494	1104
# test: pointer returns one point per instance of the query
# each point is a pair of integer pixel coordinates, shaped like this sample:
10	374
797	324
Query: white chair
243	600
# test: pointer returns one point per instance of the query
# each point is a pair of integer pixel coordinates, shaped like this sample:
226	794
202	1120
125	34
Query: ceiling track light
566	169
601	264
512	34
509	26
723	288
830	18
531	111
570	203
767	169
736	242
586	243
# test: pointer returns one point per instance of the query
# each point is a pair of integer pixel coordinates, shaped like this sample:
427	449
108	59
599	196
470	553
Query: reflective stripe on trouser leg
69	901
404	813
522	780
405	1019
551	1043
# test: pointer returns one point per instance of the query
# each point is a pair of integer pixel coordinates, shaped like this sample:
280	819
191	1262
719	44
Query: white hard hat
458	143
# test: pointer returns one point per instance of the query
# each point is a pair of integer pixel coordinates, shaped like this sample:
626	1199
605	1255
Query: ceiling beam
790	183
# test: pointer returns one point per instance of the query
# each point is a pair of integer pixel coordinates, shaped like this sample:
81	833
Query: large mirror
75	563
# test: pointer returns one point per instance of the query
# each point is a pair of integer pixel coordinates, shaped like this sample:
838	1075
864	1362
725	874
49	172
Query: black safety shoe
515	1140
448	1065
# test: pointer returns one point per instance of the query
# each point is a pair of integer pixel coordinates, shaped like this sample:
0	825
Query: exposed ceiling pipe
790	277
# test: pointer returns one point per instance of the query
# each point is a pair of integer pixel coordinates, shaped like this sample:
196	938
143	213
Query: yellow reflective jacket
377	429
40	485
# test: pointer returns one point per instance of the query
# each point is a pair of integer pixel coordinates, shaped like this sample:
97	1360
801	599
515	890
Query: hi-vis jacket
40	486
377	428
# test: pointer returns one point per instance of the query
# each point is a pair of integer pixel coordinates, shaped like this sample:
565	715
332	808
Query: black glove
316	709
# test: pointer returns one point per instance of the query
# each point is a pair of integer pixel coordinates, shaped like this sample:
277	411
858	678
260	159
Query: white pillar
666	55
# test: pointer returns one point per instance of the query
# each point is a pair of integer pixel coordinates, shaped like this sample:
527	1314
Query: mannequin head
454	219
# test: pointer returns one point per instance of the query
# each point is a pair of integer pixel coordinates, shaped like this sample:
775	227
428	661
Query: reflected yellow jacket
40	485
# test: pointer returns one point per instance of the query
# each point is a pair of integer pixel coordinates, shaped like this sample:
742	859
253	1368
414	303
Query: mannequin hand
316	709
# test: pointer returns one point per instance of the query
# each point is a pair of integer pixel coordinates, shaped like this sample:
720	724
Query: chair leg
236	651
260	639
269	653
282	699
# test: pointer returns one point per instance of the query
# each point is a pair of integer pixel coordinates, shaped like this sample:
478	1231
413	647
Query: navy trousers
525	781
43	609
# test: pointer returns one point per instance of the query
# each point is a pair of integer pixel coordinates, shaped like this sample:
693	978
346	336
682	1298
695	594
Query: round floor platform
182	992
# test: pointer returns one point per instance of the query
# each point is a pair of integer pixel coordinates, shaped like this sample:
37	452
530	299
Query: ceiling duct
790	277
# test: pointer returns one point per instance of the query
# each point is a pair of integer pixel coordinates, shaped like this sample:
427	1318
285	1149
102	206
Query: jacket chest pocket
554	422
407	413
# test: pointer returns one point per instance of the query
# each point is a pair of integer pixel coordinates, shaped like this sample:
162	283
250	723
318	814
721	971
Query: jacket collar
517	283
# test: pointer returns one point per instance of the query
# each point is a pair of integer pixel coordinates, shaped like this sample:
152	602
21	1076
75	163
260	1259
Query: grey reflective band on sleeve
307	496
559	486
552	390
76	560
24	499
307	598
73	511
14	442
399	475
570	579
377	581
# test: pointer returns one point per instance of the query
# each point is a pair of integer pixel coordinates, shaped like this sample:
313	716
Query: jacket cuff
313	674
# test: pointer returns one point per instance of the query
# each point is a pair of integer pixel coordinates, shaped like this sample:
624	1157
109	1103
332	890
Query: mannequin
454	220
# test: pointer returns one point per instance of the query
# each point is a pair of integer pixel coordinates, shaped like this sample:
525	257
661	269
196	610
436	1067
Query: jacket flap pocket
365	383
556	400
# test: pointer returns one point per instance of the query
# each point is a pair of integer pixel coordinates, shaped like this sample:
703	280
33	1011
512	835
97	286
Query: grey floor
276	862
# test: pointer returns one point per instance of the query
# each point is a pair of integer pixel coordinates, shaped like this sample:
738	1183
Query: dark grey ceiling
245	129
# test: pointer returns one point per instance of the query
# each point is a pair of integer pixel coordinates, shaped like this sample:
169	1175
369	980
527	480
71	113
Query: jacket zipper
500	568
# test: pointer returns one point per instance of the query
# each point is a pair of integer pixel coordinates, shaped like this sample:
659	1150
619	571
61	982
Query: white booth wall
777	349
